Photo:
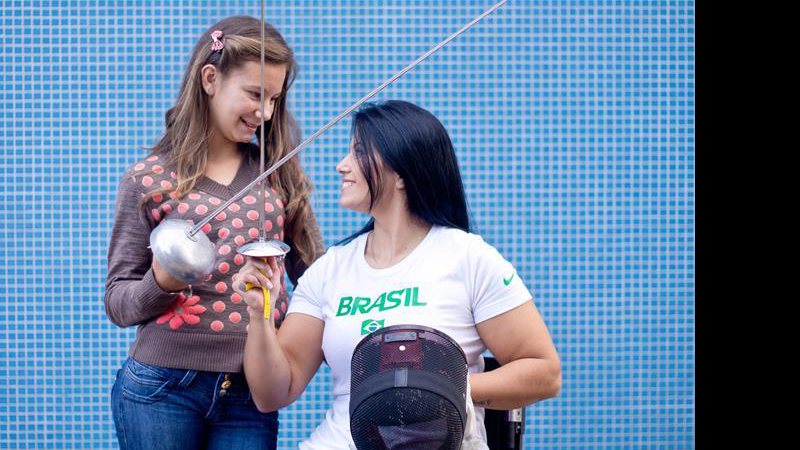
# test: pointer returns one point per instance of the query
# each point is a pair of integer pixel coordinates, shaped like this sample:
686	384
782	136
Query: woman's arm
530	367
278	365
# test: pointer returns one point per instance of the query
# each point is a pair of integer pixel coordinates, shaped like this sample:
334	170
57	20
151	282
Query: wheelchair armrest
504	428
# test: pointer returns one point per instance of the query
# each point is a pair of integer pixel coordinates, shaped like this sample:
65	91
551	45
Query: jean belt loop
188	377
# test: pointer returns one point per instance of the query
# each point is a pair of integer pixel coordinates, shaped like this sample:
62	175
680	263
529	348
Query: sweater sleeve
132	295
295	267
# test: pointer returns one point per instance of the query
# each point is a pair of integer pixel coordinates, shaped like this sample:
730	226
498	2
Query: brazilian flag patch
370	325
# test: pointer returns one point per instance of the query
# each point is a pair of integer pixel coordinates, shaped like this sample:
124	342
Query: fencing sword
187	254
262	248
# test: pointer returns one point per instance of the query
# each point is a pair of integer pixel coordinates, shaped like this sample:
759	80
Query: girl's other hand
166	281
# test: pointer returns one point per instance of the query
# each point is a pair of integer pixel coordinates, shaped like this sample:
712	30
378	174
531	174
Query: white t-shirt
451	281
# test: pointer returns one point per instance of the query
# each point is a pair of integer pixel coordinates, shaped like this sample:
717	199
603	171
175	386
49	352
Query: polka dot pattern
216	306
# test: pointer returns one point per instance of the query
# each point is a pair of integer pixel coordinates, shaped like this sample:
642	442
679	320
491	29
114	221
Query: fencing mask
408	390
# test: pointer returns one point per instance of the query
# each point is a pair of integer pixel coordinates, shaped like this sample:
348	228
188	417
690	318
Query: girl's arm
278	365
295	267
135	291
530	366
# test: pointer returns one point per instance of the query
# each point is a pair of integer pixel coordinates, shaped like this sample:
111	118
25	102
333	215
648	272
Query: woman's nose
342	166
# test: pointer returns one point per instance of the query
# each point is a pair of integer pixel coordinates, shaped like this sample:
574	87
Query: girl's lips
252	126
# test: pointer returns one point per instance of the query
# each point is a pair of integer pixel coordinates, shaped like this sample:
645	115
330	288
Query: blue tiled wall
573	123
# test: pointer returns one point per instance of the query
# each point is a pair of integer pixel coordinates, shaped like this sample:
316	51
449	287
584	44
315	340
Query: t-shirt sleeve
496	285
307	297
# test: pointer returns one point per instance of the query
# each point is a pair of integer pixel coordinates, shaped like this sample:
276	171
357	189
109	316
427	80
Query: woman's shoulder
457	236
463	244
338	251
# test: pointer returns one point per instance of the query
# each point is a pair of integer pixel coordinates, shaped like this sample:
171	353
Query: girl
402	171
182	385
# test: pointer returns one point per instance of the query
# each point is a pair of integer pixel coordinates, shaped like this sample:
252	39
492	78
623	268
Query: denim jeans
161	408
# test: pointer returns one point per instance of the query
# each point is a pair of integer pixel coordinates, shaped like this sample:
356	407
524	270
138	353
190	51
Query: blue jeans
160	408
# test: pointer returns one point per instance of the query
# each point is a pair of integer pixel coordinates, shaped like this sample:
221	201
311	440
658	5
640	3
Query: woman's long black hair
414	144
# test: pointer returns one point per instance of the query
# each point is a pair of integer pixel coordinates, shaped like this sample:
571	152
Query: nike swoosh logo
507	281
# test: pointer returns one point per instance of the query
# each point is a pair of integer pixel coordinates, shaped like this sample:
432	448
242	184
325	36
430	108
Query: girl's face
234	99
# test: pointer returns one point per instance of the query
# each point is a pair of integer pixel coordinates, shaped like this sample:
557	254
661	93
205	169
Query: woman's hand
258	272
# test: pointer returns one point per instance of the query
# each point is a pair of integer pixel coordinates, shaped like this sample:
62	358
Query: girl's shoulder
152	170
152	164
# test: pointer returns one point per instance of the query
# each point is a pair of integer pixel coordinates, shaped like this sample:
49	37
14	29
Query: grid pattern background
573	123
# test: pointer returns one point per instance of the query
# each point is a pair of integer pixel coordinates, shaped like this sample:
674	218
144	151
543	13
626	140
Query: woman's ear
399	183
208	76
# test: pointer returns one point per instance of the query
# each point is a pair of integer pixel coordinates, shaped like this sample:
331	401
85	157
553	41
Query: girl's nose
267	112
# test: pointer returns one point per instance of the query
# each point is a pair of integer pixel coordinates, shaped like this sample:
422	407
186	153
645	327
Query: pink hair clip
217	45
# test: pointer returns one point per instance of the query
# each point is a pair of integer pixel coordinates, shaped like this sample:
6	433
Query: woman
415	262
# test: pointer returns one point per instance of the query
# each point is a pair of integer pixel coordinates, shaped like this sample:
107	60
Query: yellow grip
267	302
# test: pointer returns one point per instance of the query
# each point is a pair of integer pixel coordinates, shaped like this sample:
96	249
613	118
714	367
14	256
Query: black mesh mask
408	390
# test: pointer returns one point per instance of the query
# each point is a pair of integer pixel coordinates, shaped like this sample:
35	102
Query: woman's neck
396	234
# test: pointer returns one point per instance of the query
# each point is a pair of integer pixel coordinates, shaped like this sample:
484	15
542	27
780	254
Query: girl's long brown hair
185	143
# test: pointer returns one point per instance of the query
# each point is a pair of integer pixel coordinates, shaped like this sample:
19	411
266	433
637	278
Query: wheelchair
504	428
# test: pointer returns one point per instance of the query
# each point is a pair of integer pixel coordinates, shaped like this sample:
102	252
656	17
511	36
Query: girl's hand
166	281
258	272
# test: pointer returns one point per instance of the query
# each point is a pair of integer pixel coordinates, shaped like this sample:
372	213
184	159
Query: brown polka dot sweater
207	330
